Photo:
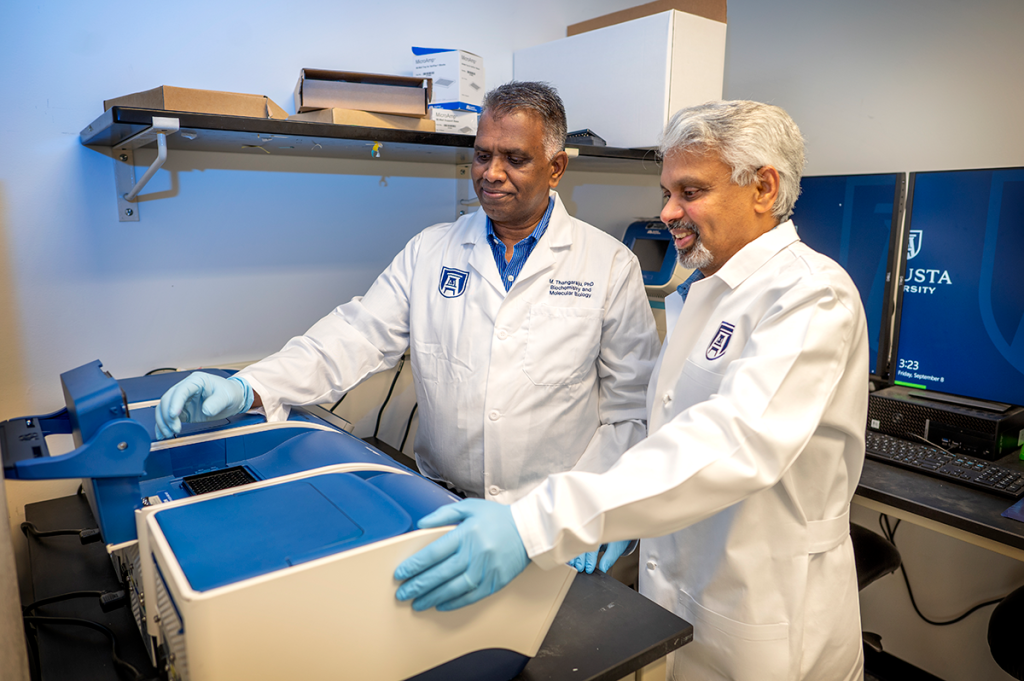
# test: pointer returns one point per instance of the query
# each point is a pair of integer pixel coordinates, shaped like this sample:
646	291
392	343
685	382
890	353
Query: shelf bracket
127	189
465	197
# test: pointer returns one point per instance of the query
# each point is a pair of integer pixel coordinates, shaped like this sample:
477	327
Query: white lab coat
745	482
511	386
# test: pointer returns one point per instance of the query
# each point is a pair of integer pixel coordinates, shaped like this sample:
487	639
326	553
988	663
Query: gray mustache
683	224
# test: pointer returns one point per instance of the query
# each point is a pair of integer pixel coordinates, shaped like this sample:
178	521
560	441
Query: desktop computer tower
962	429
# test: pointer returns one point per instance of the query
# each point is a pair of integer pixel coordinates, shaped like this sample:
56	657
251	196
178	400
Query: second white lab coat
741	493
511	386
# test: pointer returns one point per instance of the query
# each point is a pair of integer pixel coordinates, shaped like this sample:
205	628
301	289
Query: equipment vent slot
173	629
214	481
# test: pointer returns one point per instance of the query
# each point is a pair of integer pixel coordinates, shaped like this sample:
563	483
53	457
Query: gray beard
697	256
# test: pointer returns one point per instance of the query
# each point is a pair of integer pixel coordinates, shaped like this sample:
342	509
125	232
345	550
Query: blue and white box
458	77
454	121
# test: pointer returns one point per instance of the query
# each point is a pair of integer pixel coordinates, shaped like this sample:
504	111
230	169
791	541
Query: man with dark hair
531	337
741	493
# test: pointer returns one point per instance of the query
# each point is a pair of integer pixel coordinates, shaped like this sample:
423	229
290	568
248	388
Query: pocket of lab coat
562	344
696	384
733	649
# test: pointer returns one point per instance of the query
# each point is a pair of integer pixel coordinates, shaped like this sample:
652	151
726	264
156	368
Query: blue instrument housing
122	464
651	241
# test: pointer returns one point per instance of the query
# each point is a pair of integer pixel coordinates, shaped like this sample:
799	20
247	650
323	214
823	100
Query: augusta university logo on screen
919	279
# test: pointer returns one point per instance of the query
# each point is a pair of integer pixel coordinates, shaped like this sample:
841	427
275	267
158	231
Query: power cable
398	371
889	531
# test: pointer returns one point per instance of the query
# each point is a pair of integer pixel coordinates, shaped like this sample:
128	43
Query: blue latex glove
586	562
201	397
477	558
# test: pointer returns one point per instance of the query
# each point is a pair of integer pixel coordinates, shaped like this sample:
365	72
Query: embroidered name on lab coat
570	287
453	282
720	342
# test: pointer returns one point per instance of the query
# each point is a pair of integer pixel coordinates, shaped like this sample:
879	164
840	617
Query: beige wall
13	659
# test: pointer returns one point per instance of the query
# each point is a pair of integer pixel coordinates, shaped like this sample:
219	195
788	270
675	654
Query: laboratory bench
603	631
955	510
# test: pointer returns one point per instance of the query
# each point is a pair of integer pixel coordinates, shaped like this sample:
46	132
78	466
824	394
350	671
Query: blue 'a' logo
720	342
453	282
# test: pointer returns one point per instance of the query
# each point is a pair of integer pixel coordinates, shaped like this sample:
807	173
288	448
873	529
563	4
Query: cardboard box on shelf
365	119
379	93
624	81
169	98
454	121
458	77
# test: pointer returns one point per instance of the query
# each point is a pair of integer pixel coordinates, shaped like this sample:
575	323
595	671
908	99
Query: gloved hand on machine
476	559
586	562
479	557
201	397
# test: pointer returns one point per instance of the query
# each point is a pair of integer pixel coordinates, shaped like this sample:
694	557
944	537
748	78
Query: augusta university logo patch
720	342
453	282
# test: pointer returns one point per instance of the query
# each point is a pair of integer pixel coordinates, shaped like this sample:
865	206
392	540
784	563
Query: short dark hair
539	97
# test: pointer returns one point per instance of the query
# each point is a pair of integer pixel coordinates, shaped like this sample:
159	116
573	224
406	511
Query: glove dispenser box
292	578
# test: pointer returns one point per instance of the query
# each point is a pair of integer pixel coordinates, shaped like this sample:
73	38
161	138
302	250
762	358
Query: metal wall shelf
259	136
124	129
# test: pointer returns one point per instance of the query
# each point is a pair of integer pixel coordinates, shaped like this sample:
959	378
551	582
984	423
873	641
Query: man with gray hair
756	412
531	337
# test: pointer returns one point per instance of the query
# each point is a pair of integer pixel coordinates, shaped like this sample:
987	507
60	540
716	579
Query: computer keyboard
963	470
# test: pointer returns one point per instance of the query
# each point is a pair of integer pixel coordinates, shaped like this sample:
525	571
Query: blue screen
849	219
963	302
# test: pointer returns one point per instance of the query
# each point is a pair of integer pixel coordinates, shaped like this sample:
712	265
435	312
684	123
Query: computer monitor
961	323
855	219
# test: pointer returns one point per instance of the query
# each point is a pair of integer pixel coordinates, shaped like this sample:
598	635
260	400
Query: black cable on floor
108	600
33	653
120	664
56	599
889	531
86	536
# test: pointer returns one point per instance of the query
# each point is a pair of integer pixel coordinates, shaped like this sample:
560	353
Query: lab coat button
503	334
494	415
494	490
667	398
651	565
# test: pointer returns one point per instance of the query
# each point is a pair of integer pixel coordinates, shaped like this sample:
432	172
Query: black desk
603	631
970	515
